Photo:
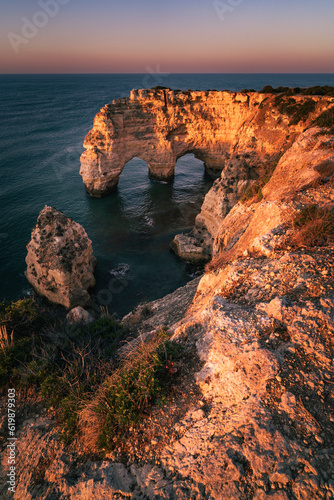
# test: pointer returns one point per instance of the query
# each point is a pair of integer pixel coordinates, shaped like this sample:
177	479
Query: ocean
44	120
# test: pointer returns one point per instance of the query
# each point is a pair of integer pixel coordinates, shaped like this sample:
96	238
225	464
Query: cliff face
60	261
236	133
258	226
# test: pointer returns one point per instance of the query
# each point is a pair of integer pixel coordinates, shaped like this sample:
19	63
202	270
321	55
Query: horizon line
169	74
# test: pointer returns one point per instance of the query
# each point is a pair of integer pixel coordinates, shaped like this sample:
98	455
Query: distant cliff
237	133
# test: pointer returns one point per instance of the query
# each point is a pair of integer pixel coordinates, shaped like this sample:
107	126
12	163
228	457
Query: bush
267	89
296	111
326	119
12	358
253	193
19	311
142	379
325	90
70	364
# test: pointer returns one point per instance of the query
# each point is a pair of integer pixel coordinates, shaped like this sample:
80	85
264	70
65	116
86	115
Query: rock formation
60	261
236	133
254	420
308	161
188	248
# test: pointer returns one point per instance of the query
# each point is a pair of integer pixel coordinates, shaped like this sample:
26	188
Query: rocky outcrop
60	261
236	133
309	161
262	426
187	247
236	227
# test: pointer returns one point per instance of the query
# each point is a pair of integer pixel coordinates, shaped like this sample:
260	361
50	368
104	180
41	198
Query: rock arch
226	130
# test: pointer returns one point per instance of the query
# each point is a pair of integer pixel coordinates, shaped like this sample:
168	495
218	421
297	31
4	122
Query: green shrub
296	111
267	89
12	359
325	90
21	310
142	379
69	364
305	215
253	192
326	119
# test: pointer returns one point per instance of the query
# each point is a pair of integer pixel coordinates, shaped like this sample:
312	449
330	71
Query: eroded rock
79	315
60	261
187	248
236	133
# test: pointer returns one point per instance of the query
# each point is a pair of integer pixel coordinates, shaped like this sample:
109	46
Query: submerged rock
60	261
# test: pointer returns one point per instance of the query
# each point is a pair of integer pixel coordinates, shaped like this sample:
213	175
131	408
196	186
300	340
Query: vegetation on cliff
324	90
75	367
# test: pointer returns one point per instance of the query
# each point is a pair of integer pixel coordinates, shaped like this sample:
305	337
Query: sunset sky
179	36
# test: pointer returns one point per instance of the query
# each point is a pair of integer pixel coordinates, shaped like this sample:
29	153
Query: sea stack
60	261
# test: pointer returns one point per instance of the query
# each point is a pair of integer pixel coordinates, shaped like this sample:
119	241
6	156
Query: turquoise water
44	119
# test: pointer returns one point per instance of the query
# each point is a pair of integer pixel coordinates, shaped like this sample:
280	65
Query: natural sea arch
180	199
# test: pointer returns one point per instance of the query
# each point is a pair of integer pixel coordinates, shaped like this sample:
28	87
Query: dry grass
313	227
142	377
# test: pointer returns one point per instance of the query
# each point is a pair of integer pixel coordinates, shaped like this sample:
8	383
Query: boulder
187	248
79	315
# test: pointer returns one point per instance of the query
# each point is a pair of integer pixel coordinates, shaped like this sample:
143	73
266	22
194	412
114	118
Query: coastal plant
324	90
326	119
295	110
12	359
21	318
20	311
253	193
313	226
99	392
78	365
143	377
64	363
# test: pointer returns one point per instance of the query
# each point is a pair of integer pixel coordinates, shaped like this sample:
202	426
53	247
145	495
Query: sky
174	36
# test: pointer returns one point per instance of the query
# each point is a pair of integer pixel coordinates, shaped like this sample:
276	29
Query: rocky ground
253	418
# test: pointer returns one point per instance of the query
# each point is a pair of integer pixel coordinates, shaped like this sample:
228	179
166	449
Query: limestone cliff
254	419
237	133
258	226
60	261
